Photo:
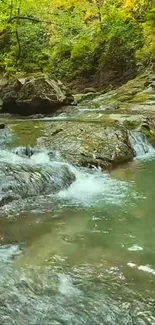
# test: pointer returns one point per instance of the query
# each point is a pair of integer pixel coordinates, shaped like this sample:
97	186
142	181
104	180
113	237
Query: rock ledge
34	95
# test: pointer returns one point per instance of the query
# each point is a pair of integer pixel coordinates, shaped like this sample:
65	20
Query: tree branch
35	20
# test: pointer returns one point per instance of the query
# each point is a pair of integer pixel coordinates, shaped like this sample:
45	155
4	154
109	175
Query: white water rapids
44	172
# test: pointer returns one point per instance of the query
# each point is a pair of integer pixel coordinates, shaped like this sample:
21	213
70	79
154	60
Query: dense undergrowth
102	41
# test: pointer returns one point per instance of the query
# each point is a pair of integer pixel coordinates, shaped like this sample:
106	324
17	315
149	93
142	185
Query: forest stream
76	244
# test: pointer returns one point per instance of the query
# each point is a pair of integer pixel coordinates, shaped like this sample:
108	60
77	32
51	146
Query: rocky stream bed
77	207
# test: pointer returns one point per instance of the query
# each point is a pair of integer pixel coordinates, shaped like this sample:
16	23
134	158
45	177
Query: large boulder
91	144
34	95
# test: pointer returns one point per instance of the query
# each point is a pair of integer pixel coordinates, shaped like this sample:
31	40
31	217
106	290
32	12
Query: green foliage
146	54
70	38
33	48
82	49
118	42
82	55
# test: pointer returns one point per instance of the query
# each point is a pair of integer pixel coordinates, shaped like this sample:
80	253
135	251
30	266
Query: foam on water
94	187
88	187
11	157
144	268
66	286
135	248
38	158
147	269
8	251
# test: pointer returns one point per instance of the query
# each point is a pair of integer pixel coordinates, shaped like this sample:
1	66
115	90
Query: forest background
101	42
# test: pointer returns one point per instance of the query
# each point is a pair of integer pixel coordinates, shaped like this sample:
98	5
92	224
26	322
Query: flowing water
141	145
77	247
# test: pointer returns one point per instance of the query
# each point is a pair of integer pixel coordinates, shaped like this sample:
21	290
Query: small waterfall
24	176
140	144
28	176
94	187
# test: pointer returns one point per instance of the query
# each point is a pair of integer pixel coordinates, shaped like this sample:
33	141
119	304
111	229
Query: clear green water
85	255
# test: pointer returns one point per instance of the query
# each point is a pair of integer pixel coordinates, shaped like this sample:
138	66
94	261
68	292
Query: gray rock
92	144
22	181
35	95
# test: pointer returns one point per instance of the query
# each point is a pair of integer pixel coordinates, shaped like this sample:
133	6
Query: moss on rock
90	144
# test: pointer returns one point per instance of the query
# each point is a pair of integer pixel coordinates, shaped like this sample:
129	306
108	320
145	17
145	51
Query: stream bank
95	131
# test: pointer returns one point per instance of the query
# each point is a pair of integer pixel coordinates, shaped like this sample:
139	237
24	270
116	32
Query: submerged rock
24	151
34	95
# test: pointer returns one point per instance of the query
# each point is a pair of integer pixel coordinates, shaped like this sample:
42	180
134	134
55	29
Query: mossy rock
142	97
150	134
131	125
87	144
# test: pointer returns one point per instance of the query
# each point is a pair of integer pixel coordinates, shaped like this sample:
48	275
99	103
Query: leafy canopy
74	37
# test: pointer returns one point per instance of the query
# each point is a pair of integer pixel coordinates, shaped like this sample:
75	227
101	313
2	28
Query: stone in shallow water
25	177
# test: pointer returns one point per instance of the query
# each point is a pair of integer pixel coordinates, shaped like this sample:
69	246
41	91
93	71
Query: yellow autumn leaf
129	4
